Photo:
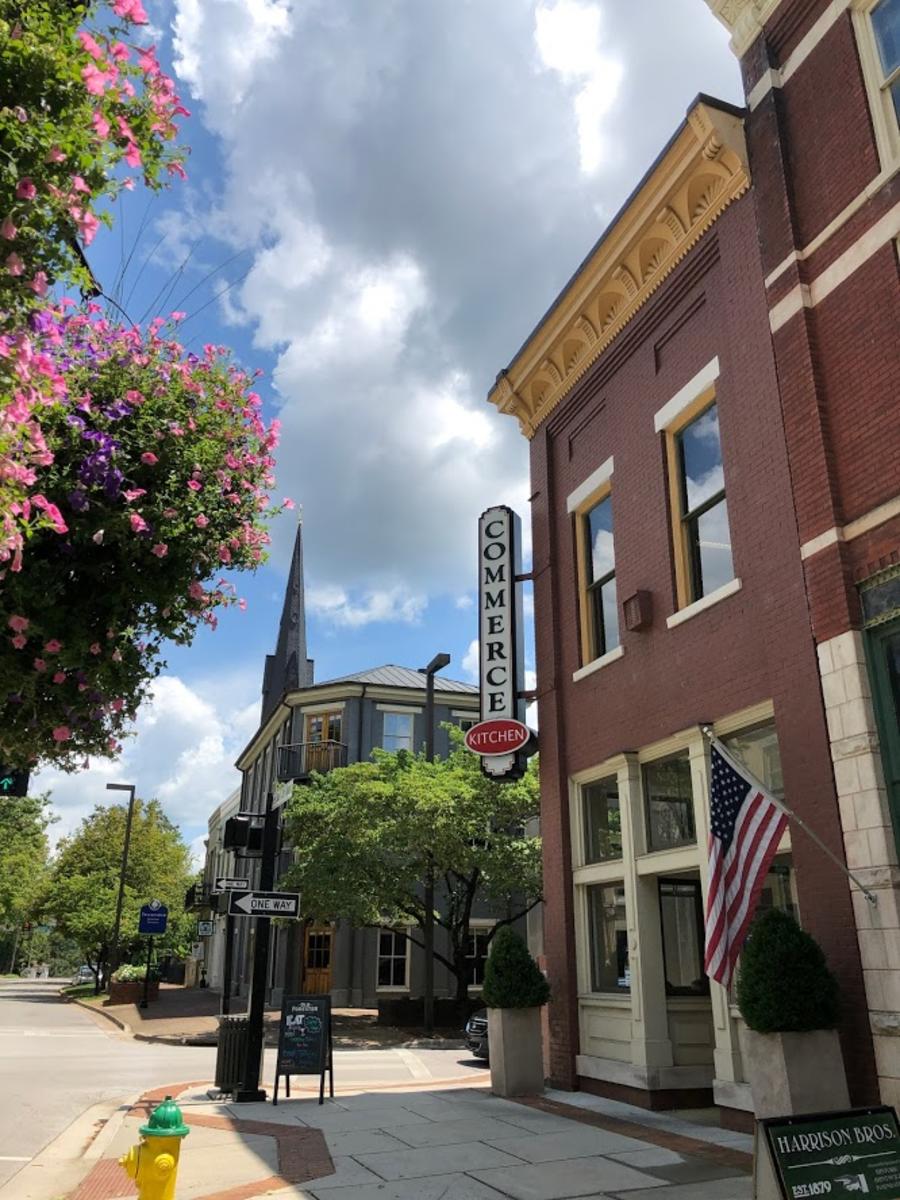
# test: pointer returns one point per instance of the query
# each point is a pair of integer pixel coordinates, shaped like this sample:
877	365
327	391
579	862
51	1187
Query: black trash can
234	1034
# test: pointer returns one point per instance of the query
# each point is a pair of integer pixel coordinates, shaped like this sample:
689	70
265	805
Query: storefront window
602	821
681	916
608	933
757	750
670	803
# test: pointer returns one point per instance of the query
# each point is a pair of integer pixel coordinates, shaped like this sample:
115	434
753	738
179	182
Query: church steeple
289	668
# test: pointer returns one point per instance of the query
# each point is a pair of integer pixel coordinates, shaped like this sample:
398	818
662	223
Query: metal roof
404	677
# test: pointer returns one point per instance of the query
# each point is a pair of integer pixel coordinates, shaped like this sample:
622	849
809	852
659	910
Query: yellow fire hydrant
153	1162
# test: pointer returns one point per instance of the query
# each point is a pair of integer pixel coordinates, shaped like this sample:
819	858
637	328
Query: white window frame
399	712
881	106
476	925
392	987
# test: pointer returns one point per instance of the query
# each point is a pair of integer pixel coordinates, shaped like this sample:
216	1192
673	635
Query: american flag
746	825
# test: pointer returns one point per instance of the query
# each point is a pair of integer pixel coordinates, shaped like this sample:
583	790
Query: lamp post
437	664
122	787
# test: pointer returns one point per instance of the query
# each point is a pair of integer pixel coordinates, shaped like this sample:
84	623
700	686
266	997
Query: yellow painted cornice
744	20
697	176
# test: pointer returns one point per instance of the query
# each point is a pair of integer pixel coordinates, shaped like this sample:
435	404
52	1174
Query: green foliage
512	979
129	973
85	880
365	836
23	857
784	984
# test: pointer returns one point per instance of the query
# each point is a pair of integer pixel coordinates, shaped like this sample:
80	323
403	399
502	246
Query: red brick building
715	458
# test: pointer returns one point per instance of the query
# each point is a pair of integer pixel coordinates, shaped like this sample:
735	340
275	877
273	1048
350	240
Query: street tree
84	883
365	835
23	867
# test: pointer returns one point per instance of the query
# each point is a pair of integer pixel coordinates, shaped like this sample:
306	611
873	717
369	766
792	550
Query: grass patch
84	991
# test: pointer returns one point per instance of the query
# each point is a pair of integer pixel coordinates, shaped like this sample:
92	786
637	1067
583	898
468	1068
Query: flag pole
723	750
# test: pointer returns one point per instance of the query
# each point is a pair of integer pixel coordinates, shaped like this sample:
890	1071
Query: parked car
84	974
477	1034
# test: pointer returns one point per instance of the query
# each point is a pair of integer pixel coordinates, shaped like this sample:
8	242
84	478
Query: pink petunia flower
53	646
59	677
90	44
14	264
40	665
78	185
61	733
160	550
8	229
149	458
18	624
134	494
195	591
130	10
224	554
194	485
95	81
95	648
138	524
101	125
118	704
39	284
133	155
55	155
201	521
19	641
25	189
178	316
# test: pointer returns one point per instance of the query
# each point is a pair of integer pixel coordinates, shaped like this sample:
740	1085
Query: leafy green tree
365	835
84	883
23	865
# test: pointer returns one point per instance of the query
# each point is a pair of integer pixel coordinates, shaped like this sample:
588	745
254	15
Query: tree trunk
15	950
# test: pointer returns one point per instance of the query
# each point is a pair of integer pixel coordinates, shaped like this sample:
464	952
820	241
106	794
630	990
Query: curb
93	1008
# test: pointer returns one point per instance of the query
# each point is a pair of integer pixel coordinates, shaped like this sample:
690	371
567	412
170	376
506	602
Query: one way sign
264	904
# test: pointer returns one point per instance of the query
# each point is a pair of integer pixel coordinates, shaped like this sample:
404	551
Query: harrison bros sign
500	631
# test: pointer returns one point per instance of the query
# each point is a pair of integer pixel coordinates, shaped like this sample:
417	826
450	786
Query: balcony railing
298	760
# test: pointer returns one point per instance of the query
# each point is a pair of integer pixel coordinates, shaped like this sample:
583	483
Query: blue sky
383	198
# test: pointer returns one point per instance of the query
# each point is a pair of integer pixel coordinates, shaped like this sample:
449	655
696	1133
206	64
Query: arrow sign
264	904
225	883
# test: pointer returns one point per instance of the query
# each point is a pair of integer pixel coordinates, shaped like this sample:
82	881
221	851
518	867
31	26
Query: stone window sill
705	602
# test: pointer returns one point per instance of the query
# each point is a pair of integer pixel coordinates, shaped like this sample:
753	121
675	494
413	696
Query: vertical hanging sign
500	637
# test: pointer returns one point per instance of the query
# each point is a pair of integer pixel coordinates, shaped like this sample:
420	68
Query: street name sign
153	918
840	1154
227	883
502	735
264	904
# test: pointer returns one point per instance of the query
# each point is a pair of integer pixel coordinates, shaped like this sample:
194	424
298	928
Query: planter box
517	1060
794	1072
131	992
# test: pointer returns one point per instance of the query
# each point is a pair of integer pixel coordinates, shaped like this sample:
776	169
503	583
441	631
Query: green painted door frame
883	656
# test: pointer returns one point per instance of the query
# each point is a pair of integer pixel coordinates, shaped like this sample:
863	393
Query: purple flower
78	500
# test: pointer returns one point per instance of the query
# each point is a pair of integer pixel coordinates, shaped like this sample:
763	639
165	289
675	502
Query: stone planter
517	1062
131	992
794	1072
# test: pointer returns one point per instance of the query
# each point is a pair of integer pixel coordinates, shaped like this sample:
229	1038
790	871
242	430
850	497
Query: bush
129	973
784	985
512	979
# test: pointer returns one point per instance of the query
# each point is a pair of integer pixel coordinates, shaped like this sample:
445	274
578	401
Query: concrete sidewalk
188	1017
448	1141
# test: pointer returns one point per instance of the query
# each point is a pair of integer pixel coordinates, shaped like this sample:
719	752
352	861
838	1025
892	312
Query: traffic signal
13	782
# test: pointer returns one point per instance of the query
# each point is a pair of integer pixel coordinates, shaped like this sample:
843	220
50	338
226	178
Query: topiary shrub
784	985
512	979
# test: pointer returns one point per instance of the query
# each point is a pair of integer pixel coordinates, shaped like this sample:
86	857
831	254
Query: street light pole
122	787
437	664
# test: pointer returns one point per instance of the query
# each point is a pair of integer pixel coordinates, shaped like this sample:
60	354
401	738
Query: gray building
307	726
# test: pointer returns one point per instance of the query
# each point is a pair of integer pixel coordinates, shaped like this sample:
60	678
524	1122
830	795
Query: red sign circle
500	735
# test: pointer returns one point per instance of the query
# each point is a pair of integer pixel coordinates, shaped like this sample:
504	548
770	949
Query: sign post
304	1042
152	921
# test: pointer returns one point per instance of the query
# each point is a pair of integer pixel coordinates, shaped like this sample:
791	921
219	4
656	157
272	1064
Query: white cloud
464	602
219	44
337	606
470	661
568	39
187	739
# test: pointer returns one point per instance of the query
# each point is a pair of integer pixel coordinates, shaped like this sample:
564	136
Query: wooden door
322	730
317	960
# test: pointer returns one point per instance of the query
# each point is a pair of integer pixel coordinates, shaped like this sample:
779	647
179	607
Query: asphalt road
57	1060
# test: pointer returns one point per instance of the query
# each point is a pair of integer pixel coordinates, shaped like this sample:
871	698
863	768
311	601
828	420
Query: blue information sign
153	917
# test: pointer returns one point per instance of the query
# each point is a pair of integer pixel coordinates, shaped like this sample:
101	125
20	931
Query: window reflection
704	511
608	932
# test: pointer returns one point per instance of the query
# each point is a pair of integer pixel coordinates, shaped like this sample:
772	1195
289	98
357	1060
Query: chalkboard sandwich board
844	1154
304	1042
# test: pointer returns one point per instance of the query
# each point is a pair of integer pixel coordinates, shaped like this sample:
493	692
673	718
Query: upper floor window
878	35
324	727
600	579
703	540
398	731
